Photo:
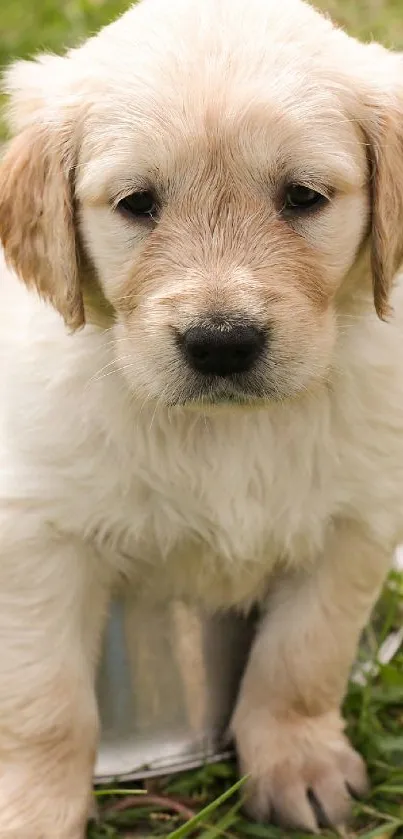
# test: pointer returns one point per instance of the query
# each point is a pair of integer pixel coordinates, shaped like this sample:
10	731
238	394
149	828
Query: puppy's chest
212	511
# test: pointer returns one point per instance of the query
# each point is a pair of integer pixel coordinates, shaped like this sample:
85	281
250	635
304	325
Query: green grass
374	712
27	27
380	20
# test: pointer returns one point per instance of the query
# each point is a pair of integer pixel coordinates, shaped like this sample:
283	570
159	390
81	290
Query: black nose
223	349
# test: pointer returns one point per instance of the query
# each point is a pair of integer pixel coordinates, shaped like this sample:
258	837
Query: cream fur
110	466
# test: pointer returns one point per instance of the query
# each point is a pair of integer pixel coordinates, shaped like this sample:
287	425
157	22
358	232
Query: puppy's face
222	241
221	194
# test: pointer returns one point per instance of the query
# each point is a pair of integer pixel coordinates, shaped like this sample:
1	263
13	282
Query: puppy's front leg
287	722
52	605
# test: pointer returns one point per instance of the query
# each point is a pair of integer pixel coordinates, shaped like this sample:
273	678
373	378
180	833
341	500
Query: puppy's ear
37	225
383	130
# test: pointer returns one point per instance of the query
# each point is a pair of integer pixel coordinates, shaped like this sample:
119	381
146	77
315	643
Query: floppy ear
383	129
37	225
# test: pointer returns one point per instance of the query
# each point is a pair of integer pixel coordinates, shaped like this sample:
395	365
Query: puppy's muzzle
222	347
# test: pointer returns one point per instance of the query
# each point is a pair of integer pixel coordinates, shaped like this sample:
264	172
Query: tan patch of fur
215	221
37	221
216	252
386	158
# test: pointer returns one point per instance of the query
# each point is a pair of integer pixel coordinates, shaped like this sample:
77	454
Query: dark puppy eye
139	204
299	197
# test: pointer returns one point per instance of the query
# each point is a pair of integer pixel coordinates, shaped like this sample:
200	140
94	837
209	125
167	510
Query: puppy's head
214	170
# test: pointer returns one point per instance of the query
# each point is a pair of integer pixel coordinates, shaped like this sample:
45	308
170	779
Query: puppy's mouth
215	392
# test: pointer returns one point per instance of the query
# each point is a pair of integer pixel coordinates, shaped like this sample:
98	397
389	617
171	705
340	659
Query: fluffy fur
117	460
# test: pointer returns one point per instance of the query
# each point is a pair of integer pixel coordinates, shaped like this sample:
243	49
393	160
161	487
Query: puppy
210	196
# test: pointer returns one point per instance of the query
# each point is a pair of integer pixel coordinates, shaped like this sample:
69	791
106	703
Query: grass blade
185	829
219	829
385	830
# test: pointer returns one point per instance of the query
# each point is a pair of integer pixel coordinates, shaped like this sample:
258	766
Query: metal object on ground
167	686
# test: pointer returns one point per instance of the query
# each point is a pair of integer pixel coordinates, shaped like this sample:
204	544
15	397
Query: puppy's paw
303	772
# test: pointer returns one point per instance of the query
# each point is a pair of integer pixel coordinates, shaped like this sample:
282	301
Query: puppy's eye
139	204
299	197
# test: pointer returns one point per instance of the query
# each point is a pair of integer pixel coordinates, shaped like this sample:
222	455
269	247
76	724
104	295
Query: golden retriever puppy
209	194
